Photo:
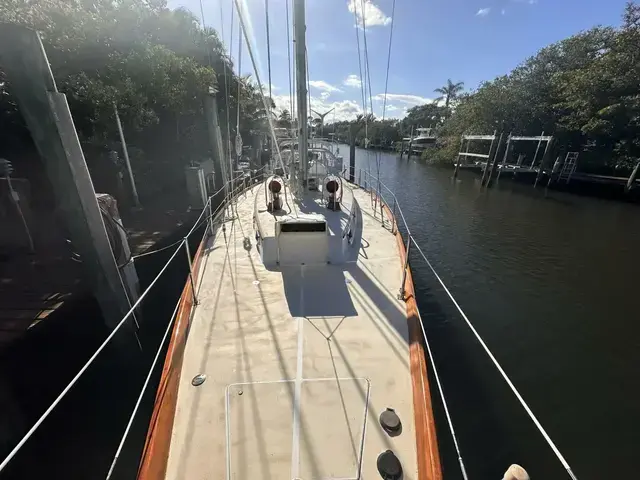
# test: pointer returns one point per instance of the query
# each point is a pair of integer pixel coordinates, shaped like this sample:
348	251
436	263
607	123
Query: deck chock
389	466
390	422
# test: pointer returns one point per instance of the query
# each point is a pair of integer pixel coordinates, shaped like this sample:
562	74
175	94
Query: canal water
550	281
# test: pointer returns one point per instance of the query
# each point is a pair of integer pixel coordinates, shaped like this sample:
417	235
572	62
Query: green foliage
284	119
449	92
155	64
379	132
430	114
584	90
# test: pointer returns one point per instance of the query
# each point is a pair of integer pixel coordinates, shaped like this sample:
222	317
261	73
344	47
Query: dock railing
227	196
382	197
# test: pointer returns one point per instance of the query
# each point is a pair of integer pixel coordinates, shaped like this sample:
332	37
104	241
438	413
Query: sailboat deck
300	362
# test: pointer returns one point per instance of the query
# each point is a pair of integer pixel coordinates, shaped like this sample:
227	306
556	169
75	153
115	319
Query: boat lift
466	154
518	167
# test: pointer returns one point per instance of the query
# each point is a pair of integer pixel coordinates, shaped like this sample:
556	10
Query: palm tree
285	119
449	92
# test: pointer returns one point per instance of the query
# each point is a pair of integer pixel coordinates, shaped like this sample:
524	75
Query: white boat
425	138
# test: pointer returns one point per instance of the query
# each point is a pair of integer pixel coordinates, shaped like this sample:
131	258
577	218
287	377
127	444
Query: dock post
47	115
410	144
547	152
455	172
352	159
632	178
401	148
494	165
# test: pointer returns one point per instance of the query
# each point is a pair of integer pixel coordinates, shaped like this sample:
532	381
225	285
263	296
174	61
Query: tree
584	90
284	119
449	92
429	114
155	63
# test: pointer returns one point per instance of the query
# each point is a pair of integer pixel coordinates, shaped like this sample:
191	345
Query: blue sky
465	40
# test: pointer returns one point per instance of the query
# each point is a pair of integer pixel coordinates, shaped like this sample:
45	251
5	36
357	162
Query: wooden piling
410	144
352	159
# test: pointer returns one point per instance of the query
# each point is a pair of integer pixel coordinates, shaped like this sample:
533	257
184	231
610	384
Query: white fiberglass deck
300	362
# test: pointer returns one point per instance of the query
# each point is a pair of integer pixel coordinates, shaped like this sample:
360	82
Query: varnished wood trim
428	454
155	455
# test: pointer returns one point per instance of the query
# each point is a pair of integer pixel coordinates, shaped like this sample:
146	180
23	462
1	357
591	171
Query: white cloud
265	88
344	109
352	81
503	11
372	17
397	105
483	12
324	86
410	100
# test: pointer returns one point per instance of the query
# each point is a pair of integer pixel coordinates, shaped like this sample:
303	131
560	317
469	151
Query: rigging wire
366	55
144	388
223	166
239	82
226	88
386	81
362	88
89	362
203	35
289	65
238	137
266	9
260	90
541	429
306	59
386	84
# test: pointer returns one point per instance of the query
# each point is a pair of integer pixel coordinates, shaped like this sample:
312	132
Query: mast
300	49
